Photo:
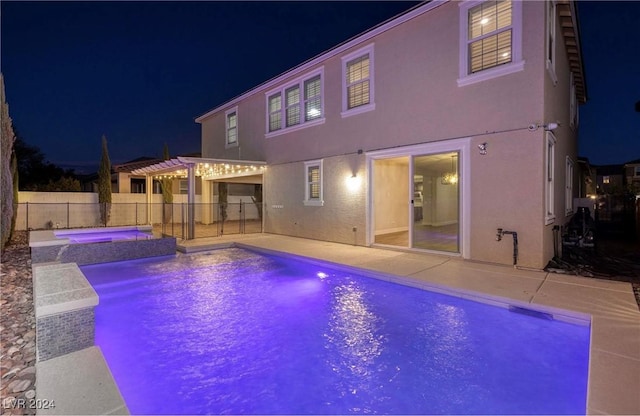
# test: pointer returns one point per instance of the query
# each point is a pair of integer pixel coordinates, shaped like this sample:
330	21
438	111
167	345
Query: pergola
190	167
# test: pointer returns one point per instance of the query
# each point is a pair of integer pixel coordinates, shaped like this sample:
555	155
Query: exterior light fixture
353	183
483	148
551	126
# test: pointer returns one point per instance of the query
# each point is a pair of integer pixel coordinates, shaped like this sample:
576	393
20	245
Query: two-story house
429	132
632	176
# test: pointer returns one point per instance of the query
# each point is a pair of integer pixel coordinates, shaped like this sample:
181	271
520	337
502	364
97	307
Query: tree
104	184
223	192
64	184
14	173
257	198
166	185
35	171
7	138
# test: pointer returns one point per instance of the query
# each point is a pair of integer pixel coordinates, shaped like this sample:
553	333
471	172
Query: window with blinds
313	183
296	105
313	179
232	127
490	35
312	99
358	82
275	112
292	99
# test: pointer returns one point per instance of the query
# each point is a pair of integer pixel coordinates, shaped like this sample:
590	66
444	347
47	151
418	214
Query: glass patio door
435	212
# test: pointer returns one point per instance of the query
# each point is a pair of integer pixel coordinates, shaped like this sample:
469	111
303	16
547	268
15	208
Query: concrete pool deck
614	373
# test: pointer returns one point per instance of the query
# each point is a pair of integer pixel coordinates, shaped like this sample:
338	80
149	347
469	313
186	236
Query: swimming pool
237	332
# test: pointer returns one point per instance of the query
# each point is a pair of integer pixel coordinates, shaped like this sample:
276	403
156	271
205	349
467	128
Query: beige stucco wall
418	101
344	207
557	109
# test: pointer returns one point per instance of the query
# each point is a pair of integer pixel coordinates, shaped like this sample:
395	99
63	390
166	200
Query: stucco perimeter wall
80	209
344	201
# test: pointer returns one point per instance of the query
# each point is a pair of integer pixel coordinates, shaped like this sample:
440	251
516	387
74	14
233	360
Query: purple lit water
234	332
103	236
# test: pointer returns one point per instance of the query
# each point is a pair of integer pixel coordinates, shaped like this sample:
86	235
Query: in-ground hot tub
102	236
98	245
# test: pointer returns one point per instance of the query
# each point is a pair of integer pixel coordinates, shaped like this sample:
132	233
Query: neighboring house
609	179
430	131
587	179
632	175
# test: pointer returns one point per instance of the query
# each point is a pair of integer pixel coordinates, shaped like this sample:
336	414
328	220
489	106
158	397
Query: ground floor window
550	178
313	183
568	202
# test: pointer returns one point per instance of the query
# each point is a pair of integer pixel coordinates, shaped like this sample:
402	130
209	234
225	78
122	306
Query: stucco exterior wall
557	109
344	207
418	100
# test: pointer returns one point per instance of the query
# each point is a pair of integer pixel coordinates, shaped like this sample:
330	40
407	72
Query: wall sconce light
483	148
547	127
353	182
551	126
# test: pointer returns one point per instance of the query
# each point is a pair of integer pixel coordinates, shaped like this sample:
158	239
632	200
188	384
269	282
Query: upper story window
312	99
606	179
313	183
292	99
358	82
490	40
231	127
296	105
551	40
636	171
573	103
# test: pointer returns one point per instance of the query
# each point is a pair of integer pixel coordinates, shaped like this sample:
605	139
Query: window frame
183	185
308	201
517	62
300	83
346	59
227	129
573	103
551	40
569	173
549	178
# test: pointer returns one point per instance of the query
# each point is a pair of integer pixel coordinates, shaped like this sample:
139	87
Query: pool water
232	331
103	236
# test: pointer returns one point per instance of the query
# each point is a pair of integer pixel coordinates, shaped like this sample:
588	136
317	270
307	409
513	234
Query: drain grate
531	312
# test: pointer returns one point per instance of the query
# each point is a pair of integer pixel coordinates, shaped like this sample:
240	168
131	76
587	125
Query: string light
212	170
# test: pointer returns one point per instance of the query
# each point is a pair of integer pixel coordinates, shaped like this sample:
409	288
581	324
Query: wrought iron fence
210	220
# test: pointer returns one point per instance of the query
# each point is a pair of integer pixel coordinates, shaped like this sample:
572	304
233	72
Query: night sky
140	72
